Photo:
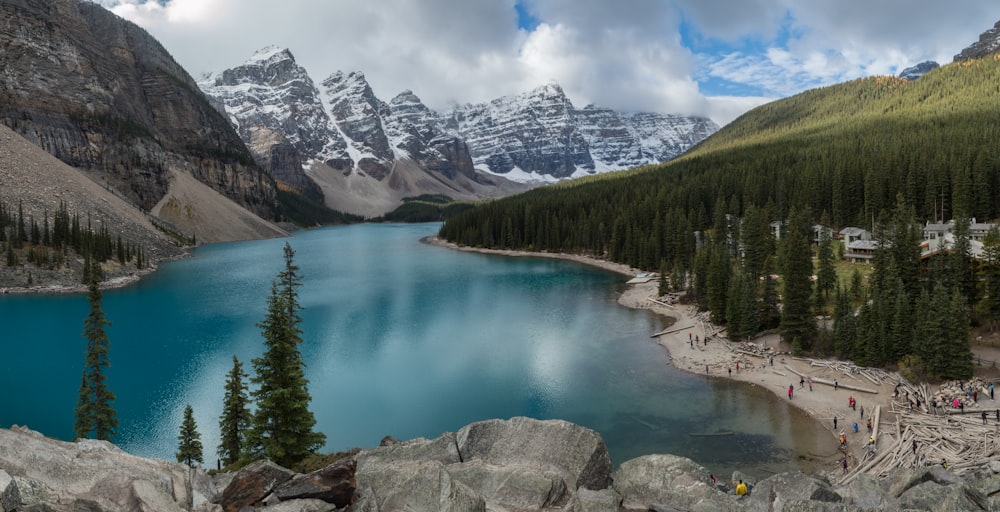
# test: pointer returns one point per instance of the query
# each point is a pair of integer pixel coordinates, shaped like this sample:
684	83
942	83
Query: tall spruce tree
955	349
235	418
94	412
189	440
962	263
796	271
826	274
282	425
989	305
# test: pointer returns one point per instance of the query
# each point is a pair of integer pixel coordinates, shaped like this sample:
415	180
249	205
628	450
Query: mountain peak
269	54
989	42
915	72
551	88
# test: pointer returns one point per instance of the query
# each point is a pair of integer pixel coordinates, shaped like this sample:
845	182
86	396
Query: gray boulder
95	474
554	444
302	505
943	497
517	487
10	495
776	492
586	500
441	449
411	485
671	481
866	492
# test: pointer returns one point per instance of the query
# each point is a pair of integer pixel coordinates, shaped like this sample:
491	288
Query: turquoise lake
401	338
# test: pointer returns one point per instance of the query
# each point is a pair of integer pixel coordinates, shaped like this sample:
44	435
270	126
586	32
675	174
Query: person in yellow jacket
741	489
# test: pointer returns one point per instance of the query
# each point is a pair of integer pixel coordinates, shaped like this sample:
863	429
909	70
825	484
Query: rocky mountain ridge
351	139
515	465
988	43
105	97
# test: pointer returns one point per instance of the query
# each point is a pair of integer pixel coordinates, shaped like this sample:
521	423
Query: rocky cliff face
101	94
989	43
354	143
519	464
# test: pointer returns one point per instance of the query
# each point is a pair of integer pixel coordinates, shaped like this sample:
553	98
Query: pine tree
189	440
990	282
94	413
955	349
826	275
663	287
844	324
282	426
796	269
235	417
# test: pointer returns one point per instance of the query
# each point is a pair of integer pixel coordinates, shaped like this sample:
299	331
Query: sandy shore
719	358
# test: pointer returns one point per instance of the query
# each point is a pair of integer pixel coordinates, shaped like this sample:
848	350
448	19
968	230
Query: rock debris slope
102	95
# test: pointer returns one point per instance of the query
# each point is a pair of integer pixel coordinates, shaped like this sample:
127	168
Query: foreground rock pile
512	465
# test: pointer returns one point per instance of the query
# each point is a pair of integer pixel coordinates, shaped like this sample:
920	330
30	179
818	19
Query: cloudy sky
710	57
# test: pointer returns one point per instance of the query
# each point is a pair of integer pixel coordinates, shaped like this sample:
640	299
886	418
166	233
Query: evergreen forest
881	153
54	242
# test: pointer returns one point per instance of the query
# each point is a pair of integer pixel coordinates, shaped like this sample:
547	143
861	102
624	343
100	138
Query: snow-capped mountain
366	155
915	72
540	135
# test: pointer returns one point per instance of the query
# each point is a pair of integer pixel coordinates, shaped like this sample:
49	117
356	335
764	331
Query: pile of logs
962	442
874	375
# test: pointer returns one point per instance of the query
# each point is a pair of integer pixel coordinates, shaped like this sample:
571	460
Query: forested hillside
848	154
846	150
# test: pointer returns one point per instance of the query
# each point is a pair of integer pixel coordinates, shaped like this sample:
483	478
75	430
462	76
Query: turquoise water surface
401	338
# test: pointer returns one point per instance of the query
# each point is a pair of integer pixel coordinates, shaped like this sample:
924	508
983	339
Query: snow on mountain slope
270	90
530	138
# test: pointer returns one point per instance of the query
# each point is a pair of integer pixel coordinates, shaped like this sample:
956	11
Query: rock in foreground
512	465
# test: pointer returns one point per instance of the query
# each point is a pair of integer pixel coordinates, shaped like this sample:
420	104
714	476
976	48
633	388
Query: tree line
853	154
280	426
49	243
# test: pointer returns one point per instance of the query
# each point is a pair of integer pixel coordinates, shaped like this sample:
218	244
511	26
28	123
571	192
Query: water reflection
403	339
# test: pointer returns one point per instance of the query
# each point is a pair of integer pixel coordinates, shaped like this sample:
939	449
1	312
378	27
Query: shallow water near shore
401	338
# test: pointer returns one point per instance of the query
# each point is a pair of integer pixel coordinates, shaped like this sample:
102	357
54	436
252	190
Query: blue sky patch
525	20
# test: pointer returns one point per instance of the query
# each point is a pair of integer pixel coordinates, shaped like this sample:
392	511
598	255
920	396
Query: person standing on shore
843	464
810	384
835	420
862	411
790	389
984	417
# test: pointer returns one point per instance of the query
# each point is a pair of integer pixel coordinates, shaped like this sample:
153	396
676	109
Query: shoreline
720	357
112	283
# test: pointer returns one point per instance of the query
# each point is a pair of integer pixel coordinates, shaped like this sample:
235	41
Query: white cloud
625	55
